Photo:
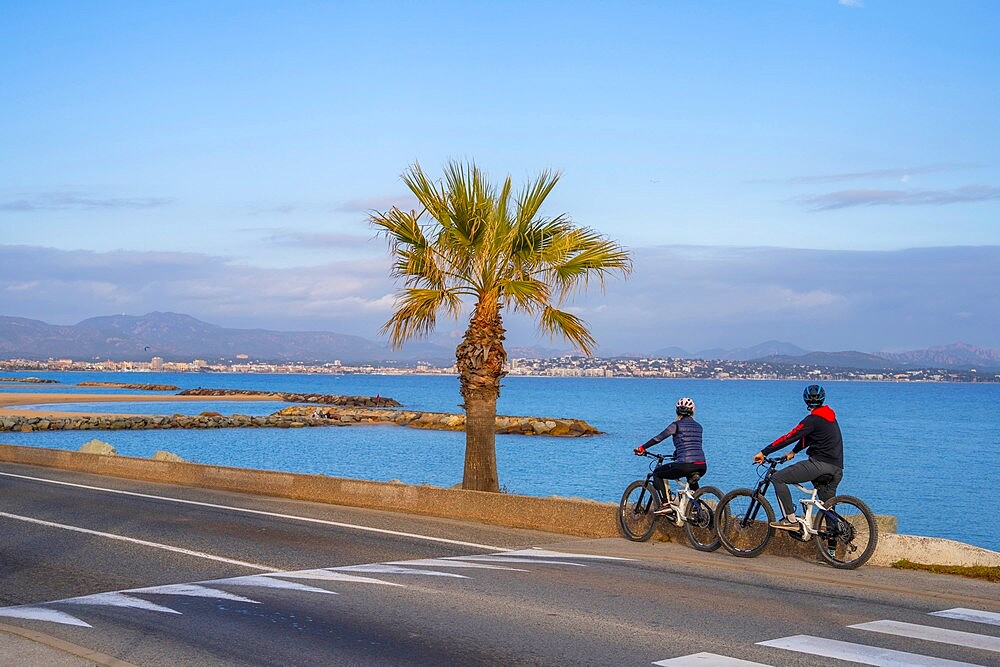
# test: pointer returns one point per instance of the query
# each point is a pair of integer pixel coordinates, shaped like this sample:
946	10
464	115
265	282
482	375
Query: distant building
156	364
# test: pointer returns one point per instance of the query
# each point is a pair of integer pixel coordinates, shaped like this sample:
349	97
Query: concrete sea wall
558	515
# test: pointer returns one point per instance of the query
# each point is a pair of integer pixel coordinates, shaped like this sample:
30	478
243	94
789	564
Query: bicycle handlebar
658	457
773	461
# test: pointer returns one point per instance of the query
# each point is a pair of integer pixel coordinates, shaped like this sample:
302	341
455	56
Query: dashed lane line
274	580
278	515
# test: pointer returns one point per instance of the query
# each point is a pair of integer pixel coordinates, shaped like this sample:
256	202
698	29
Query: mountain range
957	356
178	337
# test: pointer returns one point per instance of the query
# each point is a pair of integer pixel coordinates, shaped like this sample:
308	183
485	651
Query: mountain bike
694	510
843	527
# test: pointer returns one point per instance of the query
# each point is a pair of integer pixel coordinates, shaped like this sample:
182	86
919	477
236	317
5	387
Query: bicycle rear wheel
846	534
742	529
699	524
635	512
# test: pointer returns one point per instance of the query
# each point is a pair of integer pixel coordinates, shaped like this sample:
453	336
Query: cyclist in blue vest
818	434
689	457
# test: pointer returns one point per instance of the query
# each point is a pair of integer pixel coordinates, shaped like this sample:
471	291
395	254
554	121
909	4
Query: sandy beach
8	402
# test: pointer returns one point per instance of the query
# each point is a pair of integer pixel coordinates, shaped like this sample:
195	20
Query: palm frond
526	295
416	313
473	240
572	328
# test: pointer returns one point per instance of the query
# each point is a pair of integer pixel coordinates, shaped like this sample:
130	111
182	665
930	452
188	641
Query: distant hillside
765	349
850	359
176	337
956	355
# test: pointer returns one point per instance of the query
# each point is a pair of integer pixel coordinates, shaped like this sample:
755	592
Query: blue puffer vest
687	441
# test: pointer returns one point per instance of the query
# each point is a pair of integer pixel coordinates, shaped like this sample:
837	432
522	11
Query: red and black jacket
819	434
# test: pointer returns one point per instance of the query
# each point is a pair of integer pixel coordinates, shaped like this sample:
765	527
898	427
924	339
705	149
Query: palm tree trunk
480	362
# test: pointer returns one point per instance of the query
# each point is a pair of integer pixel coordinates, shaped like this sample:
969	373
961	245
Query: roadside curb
51	650
568	516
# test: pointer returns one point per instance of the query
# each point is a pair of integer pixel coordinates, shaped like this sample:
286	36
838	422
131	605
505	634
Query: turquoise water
927	453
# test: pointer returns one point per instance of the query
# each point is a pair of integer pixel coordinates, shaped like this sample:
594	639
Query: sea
927	453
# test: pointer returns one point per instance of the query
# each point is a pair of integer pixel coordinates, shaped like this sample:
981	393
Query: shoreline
8	401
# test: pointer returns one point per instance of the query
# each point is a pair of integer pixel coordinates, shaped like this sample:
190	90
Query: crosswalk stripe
932	634
974	615
866	655
707	660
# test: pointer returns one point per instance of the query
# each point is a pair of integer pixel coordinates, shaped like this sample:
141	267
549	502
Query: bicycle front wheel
699	524
635	512
744	521
846	533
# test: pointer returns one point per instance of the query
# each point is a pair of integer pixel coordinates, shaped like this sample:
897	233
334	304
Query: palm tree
474	242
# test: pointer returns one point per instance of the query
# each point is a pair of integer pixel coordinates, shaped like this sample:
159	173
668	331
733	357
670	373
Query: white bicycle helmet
685	406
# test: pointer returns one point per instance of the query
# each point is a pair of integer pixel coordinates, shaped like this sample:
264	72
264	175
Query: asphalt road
164	575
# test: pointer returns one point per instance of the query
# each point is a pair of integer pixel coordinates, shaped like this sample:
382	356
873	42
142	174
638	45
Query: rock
541	427
167	456
98	447
560	429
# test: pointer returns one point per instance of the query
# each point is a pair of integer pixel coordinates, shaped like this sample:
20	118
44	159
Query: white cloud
857	4
692	297
850	198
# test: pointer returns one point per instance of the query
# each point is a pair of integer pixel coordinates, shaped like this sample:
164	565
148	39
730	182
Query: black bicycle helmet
814	396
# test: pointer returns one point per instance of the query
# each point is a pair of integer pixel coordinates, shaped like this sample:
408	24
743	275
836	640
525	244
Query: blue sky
815	171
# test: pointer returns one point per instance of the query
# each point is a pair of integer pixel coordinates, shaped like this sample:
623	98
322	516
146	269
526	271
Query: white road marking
119	600
443	562
262	581
500	558
707	660
278	515
192	590
974	615
542	553
271	579
145	543
329	575
932	634
40	614
866	655
381	568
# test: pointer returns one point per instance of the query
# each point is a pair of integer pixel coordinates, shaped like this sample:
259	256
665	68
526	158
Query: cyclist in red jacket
819	434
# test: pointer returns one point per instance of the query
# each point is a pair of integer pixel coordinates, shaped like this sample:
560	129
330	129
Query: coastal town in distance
565	366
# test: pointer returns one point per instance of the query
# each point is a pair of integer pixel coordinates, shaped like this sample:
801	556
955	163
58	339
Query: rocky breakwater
120	385
443	421
320	399
205	420
30	380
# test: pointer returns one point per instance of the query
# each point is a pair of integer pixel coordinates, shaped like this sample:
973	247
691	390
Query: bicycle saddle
823	479
692	478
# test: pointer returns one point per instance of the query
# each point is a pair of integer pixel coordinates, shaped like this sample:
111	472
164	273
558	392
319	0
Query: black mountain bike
695	510
843	527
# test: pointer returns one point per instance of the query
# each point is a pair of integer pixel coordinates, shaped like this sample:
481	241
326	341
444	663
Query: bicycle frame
808	504
678	501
